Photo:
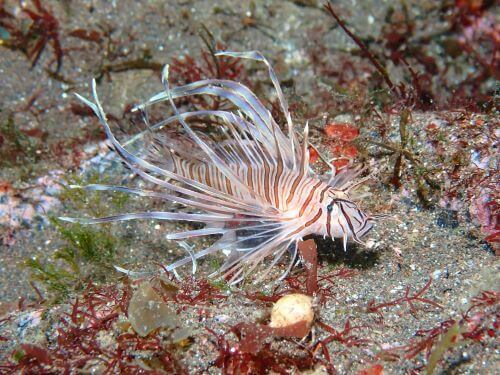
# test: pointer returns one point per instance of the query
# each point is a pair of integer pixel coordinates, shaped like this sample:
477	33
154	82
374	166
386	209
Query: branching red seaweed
43	30
477	323
78	343
252	354
411	300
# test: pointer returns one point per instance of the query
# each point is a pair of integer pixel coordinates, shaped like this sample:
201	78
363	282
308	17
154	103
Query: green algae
86	254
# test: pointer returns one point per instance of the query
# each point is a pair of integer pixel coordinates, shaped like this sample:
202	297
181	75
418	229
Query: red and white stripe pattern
253	188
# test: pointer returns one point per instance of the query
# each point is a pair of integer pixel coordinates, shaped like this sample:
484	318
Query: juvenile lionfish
255	189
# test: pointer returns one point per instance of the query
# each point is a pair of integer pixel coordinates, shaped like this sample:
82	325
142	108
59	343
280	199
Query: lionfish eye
329	208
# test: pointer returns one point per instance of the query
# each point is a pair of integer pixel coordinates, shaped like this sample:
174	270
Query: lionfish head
344	219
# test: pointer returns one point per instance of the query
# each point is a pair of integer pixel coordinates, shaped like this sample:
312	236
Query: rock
147	311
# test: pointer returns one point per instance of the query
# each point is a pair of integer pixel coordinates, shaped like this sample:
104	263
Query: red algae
376	369
341	131
252	354
43	30
411	300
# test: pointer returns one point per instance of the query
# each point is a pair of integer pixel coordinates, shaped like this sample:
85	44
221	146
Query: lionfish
254	188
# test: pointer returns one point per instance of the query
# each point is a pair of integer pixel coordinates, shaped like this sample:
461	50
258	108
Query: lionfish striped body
254	188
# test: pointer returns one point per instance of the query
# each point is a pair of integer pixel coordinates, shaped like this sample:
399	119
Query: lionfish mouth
358	223
362	231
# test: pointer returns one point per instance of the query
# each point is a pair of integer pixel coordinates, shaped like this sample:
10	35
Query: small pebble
292	309
436	274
